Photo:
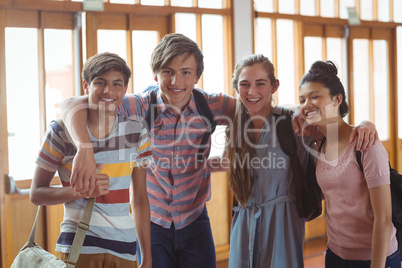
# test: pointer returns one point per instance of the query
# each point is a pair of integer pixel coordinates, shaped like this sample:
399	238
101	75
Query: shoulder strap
82	229
79	237
83	225
208	117
359	160
203	109
150	116
284	132
308	193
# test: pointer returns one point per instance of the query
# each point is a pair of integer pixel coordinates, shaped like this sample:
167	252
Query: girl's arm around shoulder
141	214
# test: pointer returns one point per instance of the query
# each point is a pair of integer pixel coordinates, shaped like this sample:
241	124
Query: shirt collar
191	106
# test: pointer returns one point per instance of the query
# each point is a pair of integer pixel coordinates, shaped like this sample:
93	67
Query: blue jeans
334	261
191	246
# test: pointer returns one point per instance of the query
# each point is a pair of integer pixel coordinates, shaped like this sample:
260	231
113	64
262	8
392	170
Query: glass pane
59	70
210	3
286	62
212	47
336	54
186	24
264	5
122	1
287	6
182	3
307	7
312	51
397	10
383	10
366	8
381	88
263	37
399	68
343	7
112	41
327	8
153	2
22	95
144	43
361	78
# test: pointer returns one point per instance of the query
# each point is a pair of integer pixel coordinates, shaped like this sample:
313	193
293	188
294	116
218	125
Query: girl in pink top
359	227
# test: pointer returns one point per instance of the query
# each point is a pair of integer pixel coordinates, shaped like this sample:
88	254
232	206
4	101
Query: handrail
12	188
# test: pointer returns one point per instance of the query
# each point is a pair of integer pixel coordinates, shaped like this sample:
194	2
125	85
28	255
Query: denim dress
269	232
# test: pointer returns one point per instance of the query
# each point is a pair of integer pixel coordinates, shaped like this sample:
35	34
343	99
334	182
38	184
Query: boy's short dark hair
102	63
173	45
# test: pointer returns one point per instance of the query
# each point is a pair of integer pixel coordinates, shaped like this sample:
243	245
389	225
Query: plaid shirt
178	187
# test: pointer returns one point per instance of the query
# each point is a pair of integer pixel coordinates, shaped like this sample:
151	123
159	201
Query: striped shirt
112	228
178	187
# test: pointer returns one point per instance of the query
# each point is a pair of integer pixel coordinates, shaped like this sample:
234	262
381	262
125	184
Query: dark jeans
189	247
334	261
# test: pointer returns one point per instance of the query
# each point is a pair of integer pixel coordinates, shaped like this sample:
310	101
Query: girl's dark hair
325	73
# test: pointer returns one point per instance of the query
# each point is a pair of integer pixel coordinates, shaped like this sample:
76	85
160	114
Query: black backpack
396	197
308	192
202	108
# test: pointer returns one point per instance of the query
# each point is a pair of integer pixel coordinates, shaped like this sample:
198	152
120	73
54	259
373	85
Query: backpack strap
359	160
308	193
202	108
151	114
284	132
209	119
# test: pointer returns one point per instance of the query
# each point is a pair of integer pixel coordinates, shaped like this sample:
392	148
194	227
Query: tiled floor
314	253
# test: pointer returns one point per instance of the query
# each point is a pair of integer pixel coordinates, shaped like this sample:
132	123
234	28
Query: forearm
380	242
218	164
141	214
47	196
74	114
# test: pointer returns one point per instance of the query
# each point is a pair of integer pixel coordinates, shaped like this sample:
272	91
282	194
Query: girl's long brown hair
239	149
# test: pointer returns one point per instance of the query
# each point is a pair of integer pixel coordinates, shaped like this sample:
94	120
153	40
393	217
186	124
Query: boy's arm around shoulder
222	106
141	214
42	194
74	114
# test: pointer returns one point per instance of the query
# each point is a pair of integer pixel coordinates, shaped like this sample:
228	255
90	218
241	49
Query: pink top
349	216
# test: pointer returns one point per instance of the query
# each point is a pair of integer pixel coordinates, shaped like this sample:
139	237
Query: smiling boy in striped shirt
122	151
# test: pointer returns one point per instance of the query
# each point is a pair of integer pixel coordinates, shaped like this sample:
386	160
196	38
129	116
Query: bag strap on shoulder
284	133
209	119
151	114
202	108
359	160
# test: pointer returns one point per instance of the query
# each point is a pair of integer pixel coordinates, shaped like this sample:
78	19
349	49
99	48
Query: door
372	82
